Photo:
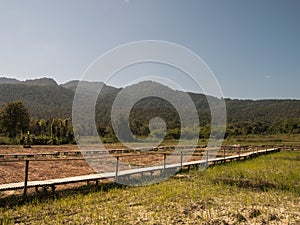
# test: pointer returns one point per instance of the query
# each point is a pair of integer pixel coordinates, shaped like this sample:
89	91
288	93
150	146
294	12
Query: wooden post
26	178
224	154
53	189
206	152
117	169
181	160
165	156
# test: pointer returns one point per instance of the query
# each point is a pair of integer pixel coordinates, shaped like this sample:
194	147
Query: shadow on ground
18	199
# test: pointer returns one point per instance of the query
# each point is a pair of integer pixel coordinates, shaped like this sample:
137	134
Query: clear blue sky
253	47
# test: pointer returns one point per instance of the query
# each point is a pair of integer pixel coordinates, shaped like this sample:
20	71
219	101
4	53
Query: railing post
165	156
206	152
181	160
117	169
26	178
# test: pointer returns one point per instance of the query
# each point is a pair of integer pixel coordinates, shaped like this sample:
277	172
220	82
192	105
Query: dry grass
213	196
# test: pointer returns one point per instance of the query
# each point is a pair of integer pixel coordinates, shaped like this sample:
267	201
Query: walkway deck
96	177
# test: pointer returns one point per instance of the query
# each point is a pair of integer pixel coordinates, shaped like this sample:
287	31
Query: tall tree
14	118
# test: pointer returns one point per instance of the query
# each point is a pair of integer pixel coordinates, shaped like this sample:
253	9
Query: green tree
14	118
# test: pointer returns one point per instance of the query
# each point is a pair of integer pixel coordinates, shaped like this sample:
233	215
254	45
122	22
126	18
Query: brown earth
66	166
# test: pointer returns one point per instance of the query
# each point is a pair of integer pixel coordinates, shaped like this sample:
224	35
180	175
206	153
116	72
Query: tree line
17	126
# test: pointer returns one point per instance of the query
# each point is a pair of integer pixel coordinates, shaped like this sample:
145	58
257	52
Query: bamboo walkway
52	183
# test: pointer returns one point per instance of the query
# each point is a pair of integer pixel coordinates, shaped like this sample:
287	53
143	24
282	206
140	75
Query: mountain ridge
46	99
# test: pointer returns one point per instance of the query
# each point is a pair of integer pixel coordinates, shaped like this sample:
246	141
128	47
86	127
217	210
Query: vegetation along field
263	190
46	109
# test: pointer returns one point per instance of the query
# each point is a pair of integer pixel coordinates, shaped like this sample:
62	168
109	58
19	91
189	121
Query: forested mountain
41	81
42	101
4	80
45	99
262	110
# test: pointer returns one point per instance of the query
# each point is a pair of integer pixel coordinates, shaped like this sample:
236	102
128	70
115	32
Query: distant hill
46	99
89	87
41	82
42	101
4	80
262	110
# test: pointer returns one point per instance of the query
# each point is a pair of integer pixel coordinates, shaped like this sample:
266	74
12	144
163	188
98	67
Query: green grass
263	190
279	171
260	140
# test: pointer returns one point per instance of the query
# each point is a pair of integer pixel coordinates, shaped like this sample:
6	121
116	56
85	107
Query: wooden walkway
114	175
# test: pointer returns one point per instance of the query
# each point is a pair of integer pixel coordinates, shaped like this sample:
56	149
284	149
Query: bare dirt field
49	167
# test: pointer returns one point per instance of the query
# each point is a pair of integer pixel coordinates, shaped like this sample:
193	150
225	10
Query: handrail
53	182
